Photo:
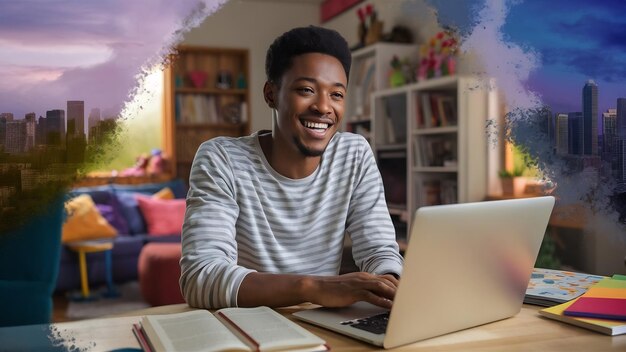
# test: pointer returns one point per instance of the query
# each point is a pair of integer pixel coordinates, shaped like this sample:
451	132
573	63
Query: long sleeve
369	225
210	276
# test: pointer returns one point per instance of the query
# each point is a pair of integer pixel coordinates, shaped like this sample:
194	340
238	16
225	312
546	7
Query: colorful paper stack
602	308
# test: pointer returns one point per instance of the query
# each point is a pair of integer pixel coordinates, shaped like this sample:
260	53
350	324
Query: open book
228	329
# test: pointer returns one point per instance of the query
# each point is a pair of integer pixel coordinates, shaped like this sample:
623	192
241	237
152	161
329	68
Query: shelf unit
369	73
439	156
197	108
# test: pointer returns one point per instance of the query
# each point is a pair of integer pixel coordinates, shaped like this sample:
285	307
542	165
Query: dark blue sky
575	40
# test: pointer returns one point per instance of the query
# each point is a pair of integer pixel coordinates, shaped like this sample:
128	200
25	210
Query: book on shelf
437	192
548	287
604	326
196	108
436	151
228	329
436	110
395	116
604	300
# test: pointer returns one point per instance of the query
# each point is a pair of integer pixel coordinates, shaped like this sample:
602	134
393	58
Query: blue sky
574	40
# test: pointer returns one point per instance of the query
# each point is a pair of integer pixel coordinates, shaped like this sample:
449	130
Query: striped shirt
243	216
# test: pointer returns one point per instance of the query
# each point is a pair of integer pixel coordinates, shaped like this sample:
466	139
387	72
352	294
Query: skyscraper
16	137
609	132
55	127
621	117
31	123
562	123
94	119
40	131
75	117
575	133
590	118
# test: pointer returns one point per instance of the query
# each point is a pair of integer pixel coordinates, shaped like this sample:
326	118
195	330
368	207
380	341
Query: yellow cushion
84	221
165	193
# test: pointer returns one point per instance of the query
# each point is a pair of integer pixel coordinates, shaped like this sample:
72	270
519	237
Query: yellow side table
94	246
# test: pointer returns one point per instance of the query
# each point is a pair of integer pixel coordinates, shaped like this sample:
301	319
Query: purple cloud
131	35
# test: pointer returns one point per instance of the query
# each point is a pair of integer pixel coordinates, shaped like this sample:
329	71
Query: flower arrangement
370	28
438	57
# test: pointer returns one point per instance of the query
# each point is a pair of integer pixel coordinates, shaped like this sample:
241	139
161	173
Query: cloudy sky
571	41
52	51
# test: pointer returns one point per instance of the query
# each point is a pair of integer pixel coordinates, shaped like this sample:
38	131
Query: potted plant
513	182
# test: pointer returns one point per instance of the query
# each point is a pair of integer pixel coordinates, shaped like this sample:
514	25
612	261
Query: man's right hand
344	290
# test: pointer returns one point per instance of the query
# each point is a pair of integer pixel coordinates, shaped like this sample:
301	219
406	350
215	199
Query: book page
269	329
197	330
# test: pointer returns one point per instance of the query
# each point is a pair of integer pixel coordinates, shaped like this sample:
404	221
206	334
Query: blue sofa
122	212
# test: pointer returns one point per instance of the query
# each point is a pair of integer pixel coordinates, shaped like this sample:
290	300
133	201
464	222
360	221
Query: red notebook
595	307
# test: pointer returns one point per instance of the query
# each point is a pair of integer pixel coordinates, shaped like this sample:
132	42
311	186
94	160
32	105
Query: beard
307	152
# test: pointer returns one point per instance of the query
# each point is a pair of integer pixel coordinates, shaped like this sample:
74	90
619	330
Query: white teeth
309	124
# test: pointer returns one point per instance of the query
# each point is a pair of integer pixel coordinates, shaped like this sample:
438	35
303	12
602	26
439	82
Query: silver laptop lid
466	265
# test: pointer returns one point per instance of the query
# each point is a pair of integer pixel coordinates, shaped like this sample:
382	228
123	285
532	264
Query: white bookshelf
368	74
456	174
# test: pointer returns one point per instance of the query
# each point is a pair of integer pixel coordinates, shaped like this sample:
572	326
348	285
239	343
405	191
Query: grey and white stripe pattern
243	216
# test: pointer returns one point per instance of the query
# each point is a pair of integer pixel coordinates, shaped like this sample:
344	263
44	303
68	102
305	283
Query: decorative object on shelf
401	72
396	76
198	78
513	183
399	34
178	81
157	163
370	29
224	80
438	57
241	81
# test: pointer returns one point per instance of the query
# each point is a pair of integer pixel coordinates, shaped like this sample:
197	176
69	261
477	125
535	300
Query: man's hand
280	290
344	290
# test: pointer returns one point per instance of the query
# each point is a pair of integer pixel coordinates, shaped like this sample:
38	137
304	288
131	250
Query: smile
320	126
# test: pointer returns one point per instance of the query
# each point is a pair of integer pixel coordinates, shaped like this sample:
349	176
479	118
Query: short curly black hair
303	40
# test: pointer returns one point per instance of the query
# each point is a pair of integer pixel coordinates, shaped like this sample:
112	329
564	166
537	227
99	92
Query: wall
253	24
413	14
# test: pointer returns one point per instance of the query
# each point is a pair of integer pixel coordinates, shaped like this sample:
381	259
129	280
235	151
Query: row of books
203	108
589	301
435	110
436	192
435	151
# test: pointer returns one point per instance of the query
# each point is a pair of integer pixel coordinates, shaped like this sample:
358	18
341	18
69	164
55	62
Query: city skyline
90	51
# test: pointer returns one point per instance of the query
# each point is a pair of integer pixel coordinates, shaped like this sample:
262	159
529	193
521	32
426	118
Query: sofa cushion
114	218
84	221
162	216
130	210
103	195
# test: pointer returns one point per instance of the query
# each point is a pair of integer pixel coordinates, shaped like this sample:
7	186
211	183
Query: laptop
465	265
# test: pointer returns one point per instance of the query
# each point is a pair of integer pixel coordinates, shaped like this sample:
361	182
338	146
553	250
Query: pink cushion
163	216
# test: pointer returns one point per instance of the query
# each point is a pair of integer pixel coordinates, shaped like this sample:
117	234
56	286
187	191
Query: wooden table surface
527	331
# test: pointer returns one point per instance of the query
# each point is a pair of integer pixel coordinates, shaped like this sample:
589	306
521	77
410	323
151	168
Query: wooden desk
526	331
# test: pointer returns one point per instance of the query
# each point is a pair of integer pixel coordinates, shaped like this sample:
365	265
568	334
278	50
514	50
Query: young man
267	213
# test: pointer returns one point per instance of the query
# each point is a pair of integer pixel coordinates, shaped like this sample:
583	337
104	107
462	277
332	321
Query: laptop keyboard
376	324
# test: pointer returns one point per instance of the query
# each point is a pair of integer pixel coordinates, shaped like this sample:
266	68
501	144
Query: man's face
310	102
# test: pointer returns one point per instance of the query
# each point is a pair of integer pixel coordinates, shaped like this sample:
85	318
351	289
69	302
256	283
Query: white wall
253	25
413	14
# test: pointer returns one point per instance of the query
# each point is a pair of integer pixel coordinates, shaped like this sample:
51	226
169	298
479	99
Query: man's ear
269	93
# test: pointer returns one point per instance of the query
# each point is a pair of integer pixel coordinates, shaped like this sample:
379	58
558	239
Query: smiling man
267	213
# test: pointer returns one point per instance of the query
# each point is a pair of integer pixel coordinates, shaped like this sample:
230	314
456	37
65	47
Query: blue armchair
29	265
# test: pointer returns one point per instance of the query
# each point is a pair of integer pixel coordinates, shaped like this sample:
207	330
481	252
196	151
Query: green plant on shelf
516	172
